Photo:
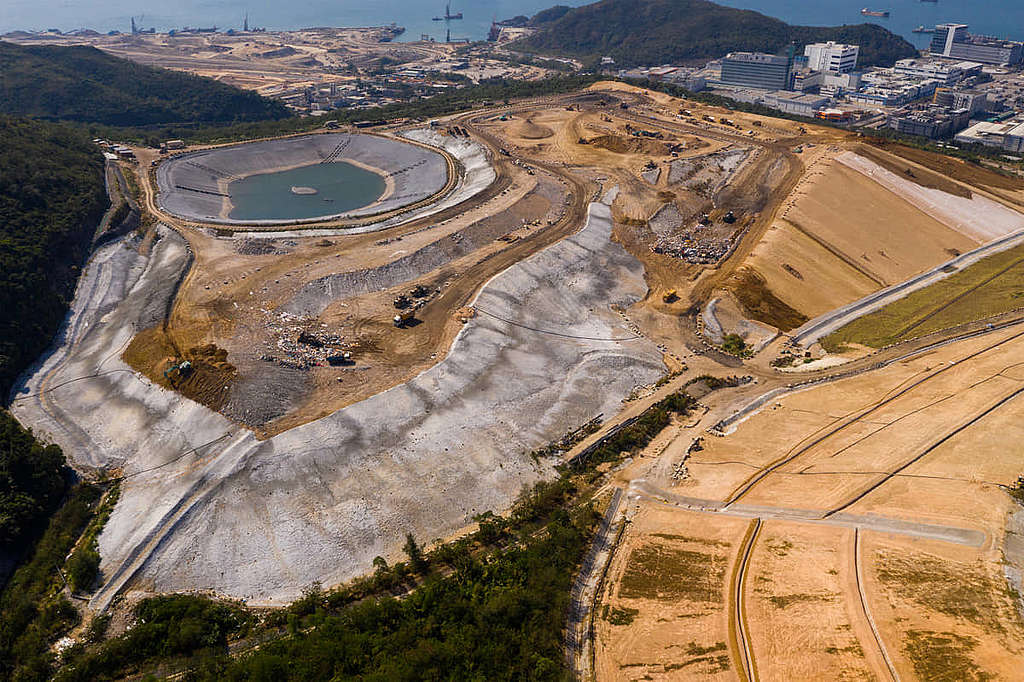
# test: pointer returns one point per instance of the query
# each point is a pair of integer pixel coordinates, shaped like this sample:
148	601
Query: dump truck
404	318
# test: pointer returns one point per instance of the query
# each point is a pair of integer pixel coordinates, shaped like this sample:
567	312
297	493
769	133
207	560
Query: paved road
640	488
831	321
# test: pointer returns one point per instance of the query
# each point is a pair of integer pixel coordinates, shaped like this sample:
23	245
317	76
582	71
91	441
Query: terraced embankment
205	505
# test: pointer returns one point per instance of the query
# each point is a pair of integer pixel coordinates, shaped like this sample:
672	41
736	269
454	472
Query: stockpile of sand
528	130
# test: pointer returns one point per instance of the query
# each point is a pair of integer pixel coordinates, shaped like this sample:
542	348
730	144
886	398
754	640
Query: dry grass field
881	508
989	287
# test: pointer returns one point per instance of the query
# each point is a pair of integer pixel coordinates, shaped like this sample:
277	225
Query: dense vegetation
32	482
33	610
651	32
490	91
490	606
52	195
86	85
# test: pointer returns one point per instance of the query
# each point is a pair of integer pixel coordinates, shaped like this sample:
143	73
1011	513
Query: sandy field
880	510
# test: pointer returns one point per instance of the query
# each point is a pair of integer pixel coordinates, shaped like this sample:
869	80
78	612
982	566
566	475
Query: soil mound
528	130
630	145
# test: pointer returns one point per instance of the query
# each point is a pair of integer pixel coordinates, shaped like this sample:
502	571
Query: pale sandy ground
979	217
803	606
844	236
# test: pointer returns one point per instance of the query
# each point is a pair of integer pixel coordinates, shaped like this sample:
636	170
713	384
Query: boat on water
448	16
875	13
922	29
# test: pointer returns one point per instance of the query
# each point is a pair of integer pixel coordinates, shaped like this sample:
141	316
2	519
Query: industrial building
1006	135
946	72
832	57
934	122
954	42
756	70
808	80
972	102
795	102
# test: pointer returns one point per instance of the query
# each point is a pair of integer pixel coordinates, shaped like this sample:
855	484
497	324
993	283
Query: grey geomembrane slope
191	185
207	506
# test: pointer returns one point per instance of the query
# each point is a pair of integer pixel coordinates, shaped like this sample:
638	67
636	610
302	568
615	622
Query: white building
943	71
1006	135
832	57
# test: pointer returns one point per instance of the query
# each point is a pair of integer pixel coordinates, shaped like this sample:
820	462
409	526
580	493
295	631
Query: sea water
1001	18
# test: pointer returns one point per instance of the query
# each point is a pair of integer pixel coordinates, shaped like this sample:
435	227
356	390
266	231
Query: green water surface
268	196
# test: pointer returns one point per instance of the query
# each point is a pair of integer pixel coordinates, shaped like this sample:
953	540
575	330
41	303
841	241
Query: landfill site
286	399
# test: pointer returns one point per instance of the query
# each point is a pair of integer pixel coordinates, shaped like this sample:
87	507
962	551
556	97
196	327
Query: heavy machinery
340	359
670	296
178	371
404	318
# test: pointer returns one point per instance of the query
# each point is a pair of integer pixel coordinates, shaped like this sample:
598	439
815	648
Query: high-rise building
832	57
953	41
756	70
944	37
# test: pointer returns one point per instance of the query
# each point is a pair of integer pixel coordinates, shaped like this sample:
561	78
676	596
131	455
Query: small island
303	190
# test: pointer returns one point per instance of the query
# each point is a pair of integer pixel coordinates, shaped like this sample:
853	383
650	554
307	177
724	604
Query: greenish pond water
339	187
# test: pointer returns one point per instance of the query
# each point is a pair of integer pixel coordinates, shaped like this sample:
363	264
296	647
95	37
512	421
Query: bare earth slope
207	506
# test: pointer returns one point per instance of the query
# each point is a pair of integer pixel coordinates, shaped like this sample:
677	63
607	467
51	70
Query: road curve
739	636
866	610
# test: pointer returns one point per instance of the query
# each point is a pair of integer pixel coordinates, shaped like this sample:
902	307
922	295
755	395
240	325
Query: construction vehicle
178	371
341	359
402	301
670	296
404	318
420	291
729	218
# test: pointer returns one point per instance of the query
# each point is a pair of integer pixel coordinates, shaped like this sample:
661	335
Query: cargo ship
884	13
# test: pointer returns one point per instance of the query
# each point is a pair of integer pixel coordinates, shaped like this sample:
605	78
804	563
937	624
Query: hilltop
86	85
649	32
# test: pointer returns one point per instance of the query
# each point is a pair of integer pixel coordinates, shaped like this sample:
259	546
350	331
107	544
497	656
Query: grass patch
620	615
991	286
84	565
943	657
663	573
854	649
687	538
957	590
918	176
782	601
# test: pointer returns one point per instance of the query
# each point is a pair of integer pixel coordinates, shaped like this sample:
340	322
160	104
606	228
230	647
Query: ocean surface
1003	18
415	15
